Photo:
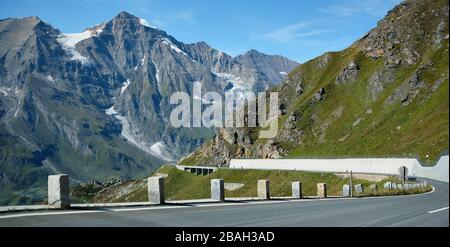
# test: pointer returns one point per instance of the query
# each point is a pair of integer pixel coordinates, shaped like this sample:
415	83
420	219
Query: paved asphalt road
417	210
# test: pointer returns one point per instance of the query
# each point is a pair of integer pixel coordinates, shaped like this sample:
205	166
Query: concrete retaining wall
437	172
387	166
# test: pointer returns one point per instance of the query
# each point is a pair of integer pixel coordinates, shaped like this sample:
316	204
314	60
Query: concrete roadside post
58	191
346	190
373	187
359	189
155	187
217	190
321	190
263	189
388	185
297	189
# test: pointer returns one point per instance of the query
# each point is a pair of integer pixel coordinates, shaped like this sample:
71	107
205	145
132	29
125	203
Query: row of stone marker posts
404	186
359	188
156	190
59	190
264	190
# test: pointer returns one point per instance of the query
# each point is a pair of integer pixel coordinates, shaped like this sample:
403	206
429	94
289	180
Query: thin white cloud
293	32
342	11
315	32
187	15
286	33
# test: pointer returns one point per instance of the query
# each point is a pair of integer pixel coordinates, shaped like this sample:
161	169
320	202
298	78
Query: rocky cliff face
96	104
386	95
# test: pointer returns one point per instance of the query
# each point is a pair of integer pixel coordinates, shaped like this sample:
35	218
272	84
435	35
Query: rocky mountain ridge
384	96
95	104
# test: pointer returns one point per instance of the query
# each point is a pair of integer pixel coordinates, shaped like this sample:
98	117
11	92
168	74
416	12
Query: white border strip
437	210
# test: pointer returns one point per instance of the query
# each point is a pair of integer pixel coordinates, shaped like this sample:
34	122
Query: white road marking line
49	213
437	210
237	203
149	208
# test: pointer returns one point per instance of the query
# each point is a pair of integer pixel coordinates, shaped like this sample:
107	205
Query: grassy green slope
419	130
349	121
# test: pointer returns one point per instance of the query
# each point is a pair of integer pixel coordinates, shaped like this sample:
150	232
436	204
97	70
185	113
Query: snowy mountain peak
127	18
126	15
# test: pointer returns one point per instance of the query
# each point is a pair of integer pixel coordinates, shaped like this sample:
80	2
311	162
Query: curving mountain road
429	209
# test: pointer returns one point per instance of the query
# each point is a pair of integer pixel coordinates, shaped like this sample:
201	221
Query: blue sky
300	30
